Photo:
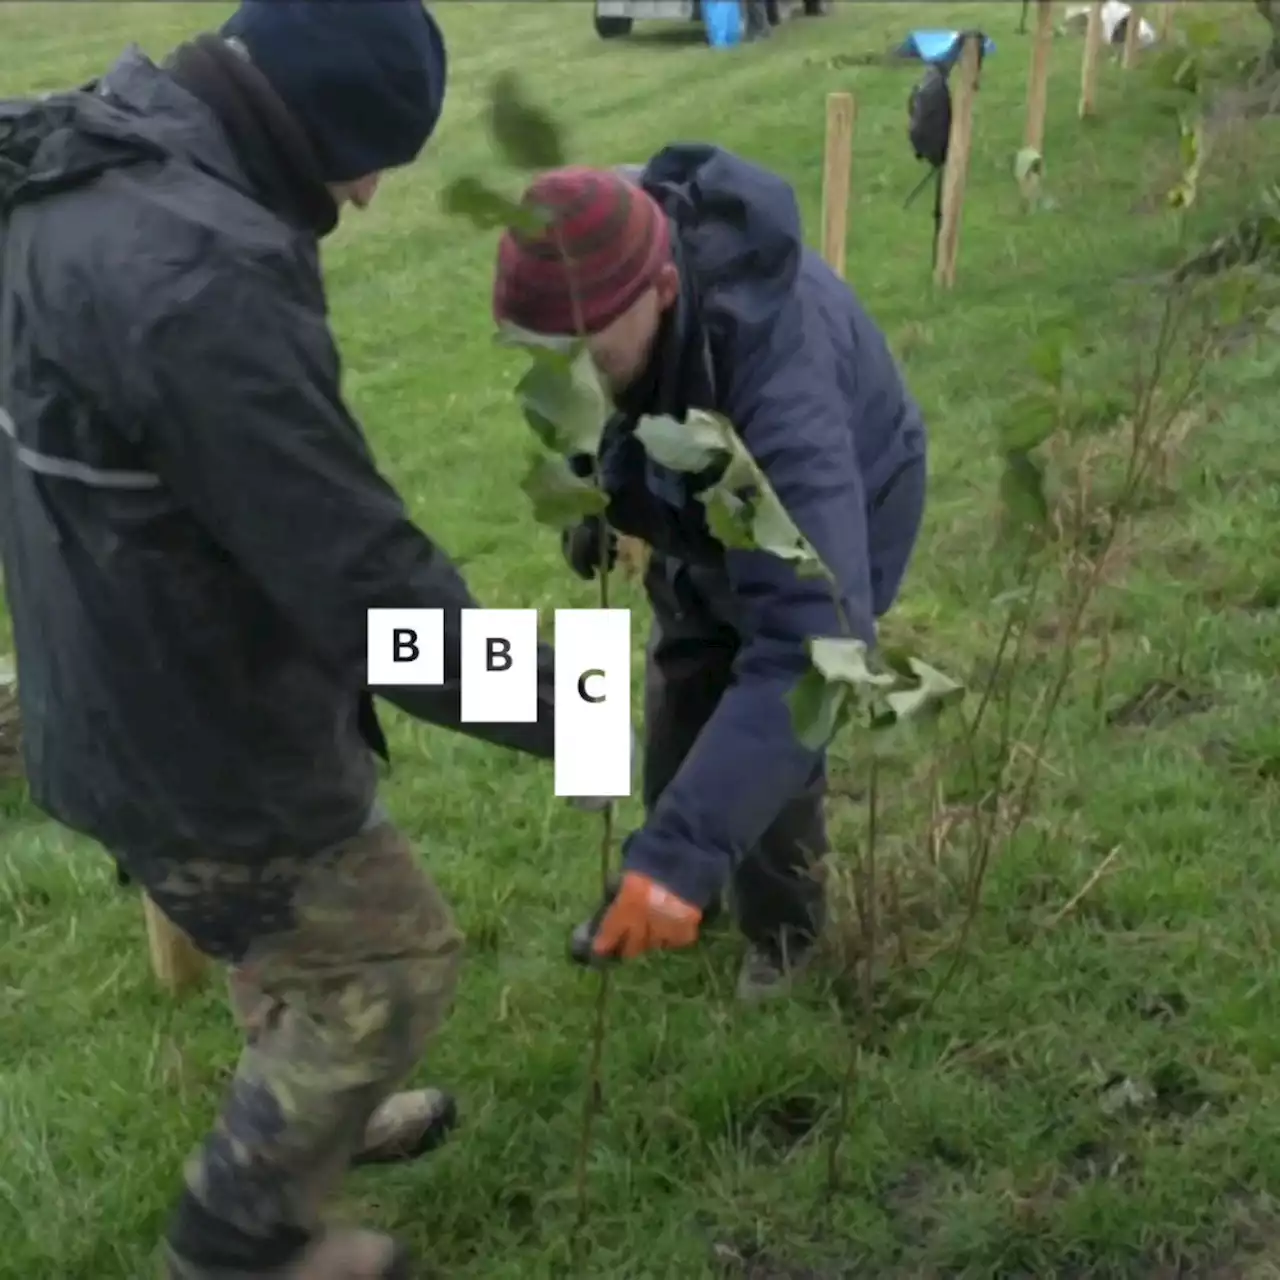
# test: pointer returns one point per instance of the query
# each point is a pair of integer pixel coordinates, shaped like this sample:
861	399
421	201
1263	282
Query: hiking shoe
765	977
406	1126
340	1254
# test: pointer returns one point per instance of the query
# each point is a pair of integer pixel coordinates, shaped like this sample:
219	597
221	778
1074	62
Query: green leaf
848	661
541	346
743	512
565	401
1030	422
841	678
775	532
1028	164
527	135
693	445
560	499
1022	492
837	681
818	709
485	208
728	519
929	696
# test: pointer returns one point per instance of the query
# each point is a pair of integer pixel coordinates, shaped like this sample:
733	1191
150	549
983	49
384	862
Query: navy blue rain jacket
767	335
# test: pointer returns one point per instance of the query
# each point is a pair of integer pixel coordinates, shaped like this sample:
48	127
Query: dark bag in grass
929	123
929	116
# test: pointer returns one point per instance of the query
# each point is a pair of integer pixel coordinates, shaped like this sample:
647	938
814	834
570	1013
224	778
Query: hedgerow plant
1085	449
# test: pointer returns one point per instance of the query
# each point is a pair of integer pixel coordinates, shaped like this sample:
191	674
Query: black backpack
929	123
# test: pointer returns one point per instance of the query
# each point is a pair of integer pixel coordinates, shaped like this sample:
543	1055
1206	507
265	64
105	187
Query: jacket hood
134	114
739	224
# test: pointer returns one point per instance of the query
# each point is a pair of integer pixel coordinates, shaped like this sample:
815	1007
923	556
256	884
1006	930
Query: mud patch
1158	703
1244	761
1163	1006
1095	1160
783	1123
748	1262
1173	1090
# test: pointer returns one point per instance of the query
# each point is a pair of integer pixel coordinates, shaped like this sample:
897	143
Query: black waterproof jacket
192	524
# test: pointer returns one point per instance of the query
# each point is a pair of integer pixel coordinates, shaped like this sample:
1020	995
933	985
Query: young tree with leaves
751	426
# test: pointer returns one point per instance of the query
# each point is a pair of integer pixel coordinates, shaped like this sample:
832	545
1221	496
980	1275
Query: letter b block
406	647
499	666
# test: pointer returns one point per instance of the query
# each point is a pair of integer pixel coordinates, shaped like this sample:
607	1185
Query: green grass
981	1136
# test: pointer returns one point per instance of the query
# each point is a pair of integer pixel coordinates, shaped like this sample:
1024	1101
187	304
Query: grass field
1095	1093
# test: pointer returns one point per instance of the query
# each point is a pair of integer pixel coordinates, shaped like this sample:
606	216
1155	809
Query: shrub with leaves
1085	448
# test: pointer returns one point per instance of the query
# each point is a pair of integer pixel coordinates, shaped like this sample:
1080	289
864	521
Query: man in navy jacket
695	290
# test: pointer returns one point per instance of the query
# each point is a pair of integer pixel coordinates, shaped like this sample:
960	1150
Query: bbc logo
499	680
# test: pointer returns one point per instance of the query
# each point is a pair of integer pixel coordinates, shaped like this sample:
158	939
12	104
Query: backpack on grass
929	123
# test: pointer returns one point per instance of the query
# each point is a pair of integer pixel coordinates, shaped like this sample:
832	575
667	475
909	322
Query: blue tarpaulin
723	21
933	46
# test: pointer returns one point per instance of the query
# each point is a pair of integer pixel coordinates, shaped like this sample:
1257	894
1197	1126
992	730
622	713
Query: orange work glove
645	917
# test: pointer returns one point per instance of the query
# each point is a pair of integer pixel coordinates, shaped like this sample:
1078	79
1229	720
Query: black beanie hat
364	78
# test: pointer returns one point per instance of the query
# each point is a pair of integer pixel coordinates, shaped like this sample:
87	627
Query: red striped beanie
606	236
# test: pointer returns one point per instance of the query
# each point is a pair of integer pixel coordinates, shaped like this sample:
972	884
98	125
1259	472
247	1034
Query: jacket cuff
696	875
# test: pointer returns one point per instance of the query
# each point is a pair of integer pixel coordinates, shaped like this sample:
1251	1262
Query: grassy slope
978	1145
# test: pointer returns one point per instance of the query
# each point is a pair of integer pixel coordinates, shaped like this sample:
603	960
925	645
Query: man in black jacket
193	529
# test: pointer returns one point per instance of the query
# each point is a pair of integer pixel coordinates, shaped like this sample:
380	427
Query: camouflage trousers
338	1002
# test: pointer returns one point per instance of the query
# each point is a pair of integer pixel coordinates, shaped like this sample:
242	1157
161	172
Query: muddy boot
340	1254
766	976
406	1126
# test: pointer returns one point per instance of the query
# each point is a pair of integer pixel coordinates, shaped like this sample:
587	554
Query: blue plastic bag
931	45
723	21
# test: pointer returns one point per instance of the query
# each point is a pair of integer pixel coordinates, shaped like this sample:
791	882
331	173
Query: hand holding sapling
589	546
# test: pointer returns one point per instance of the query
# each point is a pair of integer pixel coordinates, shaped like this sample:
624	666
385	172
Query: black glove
582	547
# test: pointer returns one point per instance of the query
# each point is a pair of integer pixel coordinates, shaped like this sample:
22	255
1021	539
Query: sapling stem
593	1095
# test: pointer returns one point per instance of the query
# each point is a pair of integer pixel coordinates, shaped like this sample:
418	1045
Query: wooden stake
1132	34
175	960
1038	77
837	165
1089	67
965	84
1164	20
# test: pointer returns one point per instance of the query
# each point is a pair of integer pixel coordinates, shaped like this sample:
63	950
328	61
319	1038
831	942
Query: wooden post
1089	67
1164	20
965	87
175	960
1132	35
837	166
1038	77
